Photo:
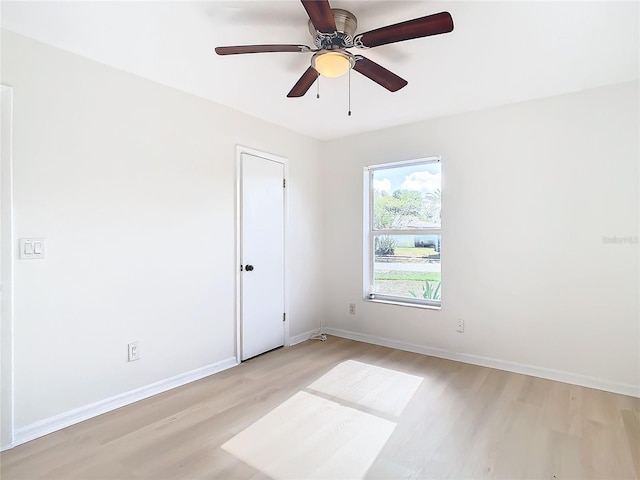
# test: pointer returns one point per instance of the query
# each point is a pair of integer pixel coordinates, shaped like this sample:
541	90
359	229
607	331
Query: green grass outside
414	251
404	276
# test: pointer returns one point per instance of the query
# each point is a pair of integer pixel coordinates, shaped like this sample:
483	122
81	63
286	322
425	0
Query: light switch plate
31	248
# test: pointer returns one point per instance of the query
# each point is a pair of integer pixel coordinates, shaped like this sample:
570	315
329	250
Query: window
403	232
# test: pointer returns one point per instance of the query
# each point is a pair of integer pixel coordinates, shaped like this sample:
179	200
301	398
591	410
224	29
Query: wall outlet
352	309
460	327
134	351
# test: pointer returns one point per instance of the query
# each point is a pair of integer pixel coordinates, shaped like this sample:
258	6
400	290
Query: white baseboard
66	419
8	446
550	374
303	337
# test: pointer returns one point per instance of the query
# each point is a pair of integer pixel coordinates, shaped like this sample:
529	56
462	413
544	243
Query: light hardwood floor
347	409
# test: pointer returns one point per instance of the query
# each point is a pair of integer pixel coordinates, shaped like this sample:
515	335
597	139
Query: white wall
132	185
529	192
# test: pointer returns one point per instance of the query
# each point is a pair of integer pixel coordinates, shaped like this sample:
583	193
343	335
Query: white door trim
285	162
6	271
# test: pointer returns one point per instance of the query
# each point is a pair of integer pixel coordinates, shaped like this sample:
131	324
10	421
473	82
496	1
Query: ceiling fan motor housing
346	24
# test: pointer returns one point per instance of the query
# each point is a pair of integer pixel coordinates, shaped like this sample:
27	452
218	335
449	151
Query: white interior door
262	255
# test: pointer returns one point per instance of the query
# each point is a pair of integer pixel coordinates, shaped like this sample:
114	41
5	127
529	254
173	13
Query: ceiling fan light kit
332	64
333	32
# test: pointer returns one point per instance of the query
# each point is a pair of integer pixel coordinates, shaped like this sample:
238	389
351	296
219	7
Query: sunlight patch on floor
381	389
311	437
333	430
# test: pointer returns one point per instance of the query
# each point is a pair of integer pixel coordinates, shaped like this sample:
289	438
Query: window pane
407	266
407	197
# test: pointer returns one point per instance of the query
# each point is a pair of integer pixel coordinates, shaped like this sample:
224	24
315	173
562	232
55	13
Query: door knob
249	268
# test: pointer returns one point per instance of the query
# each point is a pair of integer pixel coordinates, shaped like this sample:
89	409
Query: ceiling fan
333	31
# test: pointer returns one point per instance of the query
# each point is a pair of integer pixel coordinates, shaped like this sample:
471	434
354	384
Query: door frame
238	253
6	271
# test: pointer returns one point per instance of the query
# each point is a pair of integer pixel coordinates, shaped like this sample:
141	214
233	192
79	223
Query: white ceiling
498	53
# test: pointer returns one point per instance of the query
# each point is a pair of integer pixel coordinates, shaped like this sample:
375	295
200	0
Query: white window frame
370	232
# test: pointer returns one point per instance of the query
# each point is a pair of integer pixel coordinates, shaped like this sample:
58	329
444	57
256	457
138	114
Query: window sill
403	304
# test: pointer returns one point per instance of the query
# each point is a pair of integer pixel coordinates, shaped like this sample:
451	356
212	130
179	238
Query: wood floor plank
561	409
631	421
458	421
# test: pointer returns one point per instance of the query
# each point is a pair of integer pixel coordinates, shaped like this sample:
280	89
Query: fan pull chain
349	92
318	87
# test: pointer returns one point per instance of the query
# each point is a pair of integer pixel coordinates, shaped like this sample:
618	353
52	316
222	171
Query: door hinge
284	183
284	317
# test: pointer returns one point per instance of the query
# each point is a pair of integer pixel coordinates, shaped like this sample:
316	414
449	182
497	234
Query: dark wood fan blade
416	28
238	49
306	80
379	74
319	12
